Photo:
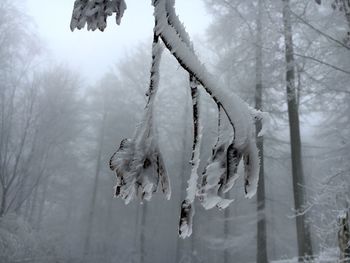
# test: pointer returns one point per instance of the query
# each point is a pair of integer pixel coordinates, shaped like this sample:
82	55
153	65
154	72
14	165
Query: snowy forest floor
20	243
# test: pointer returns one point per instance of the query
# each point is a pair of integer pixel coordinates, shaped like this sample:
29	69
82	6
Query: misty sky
93	53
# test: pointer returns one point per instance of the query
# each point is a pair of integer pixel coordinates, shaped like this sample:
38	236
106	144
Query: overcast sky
92	53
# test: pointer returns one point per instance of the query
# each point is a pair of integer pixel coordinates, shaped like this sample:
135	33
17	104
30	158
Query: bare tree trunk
193	241
227	215
179	242
261	255
42	202
95	187
136	235
3	201
33	204
184	169
69	218
26	209
142	233
303	232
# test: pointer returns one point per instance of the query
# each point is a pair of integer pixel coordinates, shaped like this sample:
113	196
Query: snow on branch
138	163
187	209
240	115
94	13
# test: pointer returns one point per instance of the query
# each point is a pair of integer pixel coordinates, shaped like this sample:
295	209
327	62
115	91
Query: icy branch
238	112
187	208
138	163
220	173
94	13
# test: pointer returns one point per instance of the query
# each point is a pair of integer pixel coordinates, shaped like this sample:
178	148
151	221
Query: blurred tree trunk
27	208
227	215
193	241
184	168
3	201
179	242
261	255
142	232
95	186
303	232
137	235
42	202
70	219
33	205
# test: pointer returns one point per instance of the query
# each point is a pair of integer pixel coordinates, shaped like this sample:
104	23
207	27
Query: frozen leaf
214	179
140	170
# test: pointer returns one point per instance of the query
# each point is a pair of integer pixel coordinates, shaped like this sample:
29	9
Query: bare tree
261	256
303	232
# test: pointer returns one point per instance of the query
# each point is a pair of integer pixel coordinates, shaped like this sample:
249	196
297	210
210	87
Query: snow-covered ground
330	255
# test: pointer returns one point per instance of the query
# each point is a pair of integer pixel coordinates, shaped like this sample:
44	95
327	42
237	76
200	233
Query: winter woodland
229	146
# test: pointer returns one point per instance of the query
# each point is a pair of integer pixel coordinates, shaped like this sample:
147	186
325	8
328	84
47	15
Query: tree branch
323	63
319	31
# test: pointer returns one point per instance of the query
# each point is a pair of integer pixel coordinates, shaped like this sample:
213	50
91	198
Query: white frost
238	112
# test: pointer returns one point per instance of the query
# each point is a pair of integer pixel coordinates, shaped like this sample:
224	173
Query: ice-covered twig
212	179
174	21
237	111
220	173
138	163
94	13
187	207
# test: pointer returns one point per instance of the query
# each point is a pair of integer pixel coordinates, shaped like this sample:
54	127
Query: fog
219	135
83	50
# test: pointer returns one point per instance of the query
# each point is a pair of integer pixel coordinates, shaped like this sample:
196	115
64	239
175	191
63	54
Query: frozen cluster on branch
94	13
138	163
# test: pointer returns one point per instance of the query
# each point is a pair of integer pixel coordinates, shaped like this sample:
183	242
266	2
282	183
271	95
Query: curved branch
319	31
138	163
187	209
323	63
238	112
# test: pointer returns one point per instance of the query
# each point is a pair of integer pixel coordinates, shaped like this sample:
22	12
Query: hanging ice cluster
138	163
94	13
